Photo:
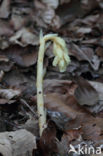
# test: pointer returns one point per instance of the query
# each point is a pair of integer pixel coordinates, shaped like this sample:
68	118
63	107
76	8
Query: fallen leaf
47	143
84	30
59	86
24	57
23	81
9	93
91	19
6	66
5	9
99	106
68	138
99	52
6	29
89	5
58	111
24	37
92	130
6	101
45	14
85	94
86	54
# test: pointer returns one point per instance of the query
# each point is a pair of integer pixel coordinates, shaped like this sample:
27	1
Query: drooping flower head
60	51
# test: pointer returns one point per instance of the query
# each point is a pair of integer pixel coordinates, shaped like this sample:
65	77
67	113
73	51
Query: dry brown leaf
59	86
24	57
45	14
99	52
9	93
91	19
6	101
47	142
55	102
84	30
69	137
24	37
89	5
93	130
6	29
98	86
5	9
85	54
85	93
6	66
25	82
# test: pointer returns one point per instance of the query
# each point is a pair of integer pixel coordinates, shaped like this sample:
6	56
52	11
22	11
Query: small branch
27	105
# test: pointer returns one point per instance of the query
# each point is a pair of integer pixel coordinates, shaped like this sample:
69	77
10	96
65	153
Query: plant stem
61	59
40	100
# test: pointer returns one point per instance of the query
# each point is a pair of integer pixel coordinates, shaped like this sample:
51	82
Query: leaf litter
73	99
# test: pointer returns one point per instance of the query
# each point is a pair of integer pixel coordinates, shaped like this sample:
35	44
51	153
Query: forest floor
73	99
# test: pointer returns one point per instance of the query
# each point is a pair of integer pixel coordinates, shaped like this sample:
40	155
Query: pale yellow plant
61	60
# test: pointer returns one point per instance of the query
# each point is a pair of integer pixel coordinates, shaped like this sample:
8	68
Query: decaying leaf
6	29
24	37
45	15
68	138
48	141
84	30
85	54
9	93
5	9
85	93
21	56
58	110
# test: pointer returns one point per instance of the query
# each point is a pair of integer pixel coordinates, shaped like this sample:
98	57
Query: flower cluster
61	54
60	51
